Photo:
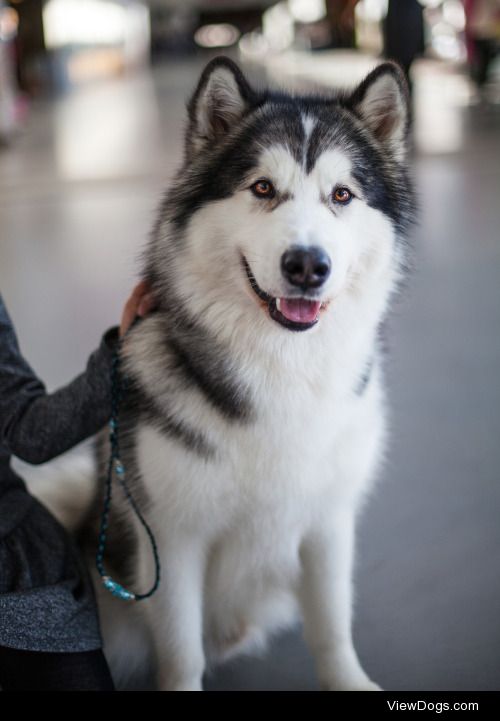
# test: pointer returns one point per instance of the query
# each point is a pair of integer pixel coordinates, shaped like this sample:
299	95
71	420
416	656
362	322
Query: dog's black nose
306	267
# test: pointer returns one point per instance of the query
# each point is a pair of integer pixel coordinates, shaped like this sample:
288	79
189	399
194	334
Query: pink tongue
299	310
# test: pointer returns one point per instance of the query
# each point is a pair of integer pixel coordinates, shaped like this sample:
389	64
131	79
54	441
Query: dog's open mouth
292	313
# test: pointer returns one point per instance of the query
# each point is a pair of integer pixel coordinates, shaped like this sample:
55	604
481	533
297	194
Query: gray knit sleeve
37	426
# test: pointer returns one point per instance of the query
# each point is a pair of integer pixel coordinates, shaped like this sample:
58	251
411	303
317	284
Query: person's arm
36	426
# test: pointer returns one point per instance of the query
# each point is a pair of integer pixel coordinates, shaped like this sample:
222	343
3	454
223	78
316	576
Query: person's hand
139	303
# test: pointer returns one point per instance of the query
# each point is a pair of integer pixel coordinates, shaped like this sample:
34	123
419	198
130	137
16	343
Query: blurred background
92	108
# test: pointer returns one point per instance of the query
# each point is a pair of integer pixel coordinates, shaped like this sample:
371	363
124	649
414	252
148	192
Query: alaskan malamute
254	423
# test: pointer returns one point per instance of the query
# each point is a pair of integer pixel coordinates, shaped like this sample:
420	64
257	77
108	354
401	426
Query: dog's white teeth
278	304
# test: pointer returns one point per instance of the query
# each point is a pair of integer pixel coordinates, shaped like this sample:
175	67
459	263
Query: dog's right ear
221	99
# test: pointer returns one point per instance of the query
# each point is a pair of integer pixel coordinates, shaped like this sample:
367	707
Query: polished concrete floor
77	193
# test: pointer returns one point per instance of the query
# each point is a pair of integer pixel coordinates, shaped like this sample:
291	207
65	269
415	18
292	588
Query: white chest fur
300	450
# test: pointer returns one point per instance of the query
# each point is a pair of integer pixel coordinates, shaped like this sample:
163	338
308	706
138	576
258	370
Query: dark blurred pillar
31	52
404	33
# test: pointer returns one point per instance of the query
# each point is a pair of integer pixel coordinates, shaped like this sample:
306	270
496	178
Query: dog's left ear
382	102
221	99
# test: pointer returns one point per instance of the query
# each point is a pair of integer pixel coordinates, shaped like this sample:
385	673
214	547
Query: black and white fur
250	446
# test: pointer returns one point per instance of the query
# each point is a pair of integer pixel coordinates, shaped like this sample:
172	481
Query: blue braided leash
116	465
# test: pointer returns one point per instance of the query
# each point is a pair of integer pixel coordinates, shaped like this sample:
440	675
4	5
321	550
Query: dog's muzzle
292	313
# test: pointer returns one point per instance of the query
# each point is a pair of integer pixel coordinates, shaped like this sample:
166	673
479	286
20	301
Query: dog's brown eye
342	195
263	189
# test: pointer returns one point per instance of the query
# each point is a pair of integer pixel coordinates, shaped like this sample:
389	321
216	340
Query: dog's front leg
326	598
176	616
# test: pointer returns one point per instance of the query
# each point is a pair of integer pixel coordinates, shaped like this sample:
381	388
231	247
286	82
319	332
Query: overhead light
220	35
83	22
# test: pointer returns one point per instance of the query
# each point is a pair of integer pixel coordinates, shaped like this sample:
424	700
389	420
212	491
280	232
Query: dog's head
286	204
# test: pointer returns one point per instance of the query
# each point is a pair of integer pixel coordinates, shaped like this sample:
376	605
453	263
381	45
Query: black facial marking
222	172
275	202
323	137
385	184
277	119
